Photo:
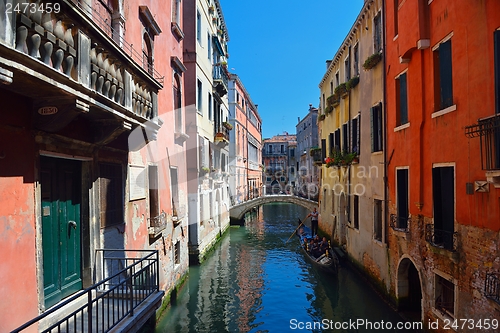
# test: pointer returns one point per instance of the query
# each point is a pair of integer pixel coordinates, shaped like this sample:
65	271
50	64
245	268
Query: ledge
444	111
401	127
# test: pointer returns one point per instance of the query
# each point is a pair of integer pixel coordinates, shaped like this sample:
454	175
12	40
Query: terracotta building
245	149
442	70
91	179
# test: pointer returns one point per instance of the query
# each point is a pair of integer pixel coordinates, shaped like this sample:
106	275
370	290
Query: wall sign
137	182
47	110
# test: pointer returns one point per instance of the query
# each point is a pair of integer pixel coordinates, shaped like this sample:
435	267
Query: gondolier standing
314	221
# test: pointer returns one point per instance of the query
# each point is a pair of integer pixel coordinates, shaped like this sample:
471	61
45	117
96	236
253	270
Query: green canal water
256	280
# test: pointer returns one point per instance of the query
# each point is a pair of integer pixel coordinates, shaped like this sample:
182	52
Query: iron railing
399	223
316	155
492	287
488	130
220	78
125	283
157	223
441	238
105	25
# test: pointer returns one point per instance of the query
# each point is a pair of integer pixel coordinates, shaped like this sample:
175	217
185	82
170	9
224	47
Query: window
496	37
356	59
323	149
337	79
377	34
282	150
147	53
376	127
178	103
444	293
111	194
177	253
176	12
377	219
396	10
202	211
210	107
331	142
154	204
401	100
443	83
198	26
443	193
336	139
200	97
402	198
292	152
355	208
345	136
209	46
347	67
174	186
355	137
270	149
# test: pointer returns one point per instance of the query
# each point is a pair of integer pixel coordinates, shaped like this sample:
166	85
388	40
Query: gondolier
314	221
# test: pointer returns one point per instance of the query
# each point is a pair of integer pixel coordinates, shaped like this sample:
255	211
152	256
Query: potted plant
328	109
341	90
314	150
352	83
227	125
204	170
372	61
321	117
211	9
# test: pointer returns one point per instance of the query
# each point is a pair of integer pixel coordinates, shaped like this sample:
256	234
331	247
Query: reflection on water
257	280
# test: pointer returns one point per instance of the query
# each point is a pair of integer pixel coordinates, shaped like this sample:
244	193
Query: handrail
441	238
125	296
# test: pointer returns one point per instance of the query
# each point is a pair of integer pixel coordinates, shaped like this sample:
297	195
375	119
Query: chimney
328	62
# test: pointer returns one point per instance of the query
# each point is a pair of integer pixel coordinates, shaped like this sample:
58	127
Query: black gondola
328	261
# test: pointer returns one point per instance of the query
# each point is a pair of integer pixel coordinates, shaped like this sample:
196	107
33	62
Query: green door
61	200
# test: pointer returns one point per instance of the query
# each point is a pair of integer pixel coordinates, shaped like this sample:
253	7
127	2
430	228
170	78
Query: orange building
443	157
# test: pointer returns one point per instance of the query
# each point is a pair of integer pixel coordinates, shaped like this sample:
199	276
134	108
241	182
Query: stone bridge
237	212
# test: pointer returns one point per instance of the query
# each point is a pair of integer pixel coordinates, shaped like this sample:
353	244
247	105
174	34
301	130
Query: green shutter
372	134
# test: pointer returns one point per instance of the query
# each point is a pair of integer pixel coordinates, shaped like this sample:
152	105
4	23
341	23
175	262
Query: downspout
384	89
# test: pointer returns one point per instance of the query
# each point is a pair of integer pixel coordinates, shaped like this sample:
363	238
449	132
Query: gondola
328	262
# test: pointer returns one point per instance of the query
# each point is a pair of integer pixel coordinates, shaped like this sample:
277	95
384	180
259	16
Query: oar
295	231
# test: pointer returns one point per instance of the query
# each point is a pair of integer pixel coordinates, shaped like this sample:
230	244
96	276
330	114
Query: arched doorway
409	289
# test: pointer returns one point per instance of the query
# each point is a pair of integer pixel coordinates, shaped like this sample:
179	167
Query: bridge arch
237	212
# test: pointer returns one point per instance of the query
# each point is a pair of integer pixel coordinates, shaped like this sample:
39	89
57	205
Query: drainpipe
384	88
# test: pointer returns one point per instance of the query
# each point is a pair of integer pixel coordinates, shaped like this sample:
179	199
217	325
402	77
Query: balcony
220	77
488	130
492	287
316	155
126	296
443	239
399	223
71	63
157	224
221	138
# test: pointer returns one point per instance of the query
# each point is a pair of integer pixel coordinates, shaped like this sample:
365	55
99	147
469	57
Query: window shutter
372	132
445	73
496	37
323	149
403	91
358	143
332	142
380	128
352	123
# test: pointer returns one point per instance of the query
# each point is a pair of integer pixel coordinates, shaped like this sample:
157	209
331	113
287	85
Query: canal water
258	280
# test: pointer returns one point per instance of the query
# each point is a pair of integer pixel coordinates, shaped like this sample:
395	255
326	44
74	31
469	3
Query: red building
443	157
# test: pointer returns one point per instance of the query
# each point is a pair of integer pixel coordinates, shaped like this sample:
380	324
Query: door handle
72	224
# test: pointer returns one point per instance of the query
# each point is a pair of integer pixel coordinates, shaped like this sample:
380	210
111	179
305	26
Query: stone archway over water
409	289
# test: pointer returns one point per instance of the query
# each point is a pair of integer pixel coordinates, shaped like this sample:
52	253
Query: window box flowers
341	90
227	125
352	83
372	61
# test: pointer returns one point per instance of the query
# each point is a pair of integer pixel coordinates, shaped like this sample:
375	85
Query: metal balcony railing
492	287
221	134
488	130
220	79
441	238
399	223
105	25
157	223
316	155
125	282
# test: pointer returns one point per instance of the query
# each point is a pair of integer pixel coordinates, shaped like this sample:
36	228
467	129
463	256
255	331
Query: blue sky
279	50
